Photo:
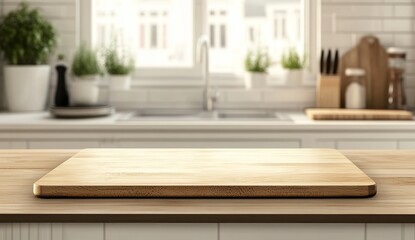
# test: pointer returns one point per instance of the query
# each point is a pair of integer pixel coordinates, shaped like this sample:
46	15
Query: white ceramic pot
120	82
26	87
84	91
294	77
255	80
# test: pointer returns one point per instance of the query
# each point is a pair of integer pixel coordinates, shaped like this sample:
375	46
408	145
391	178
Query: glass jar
356	89
396	91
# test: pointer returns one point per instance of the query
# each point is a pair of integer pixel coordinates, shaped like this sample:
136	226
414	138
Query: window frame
191	76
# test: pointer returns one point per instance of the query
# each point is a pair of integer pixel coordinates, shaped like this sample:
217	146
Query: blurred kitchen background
277	56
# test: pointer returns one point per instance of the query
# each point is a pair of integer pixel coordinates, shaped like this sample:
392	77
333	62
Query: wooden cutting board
352	114
371	56
241	173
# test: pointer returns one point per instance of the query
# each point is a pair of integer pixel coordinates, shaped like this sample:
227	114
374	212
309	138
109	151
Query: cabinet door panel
12	145
292	231
58	144
366	144
134	231
82	231
408	232
51	231
409	145
384	231
325	144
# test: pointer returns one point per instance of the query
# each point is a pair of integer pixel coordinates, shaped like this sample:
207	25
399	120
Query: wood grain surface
355	114
393	171
371	56
239	173
328	91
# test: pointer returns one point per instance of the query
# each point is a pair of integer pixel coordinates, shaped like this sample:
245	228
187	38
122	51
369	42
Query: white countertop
43	121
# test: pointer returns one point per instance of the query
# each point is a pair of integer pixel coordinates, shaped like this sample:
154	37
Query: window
157	33
162	34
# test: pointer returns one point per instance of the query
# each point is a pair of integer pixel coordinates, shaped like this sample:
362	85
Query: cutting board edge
342	115
363	191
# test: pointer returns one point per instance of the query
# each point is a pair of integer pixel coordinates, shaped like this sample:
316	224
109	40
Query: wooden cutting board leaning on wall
371	56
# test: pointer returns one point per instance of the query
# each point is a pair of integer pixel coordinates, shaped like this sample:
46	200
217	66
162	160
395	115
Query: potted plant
26	40
256	65
86	70
119	67
294	65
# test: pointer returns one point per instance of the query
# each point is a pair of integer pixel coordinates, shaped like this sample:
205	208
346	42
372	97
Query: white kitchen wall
343	23
393	21
62	14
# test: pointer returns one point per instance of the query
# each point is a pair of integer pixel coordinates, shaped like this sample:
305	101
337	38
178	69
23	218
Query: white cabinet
366	144
384	231
390	231
13	145
51	231
204	138
209	144
205	231
284	231
162	231
325	144
62	144
409	145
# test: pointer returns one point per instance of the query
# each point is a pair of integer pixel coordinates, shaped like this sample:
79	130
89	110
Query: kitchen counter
299	121
394	172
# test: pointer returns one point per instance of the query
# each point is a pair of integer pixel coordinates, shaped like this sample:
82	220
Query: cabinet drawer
292	231
366	144
58	144
409	145
182	231
13	145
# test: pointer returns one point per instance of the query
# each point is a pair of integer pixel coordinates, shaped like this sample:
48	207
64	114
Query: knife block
328	91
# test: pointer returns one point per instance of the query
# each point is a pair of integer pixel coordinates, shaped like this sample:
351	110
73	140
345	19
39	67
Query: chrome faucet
203	58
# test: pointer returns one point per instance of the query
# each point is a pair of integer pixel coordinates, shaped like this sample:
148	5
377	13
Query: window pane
159	33
243	25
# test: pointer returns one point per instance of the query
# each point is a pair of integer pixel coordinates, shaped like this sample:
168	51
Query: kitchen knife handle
322	62
336	62
328	63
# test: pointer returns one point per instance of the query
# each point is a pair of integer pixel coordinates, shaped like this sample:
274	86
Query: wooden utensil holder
328	91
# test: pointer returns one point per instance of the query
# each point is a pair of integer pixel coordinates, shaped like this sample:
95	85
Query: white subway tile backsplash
292	95
405	40
404	11
359	25
362	11
398	25
393	21
175	95
243	96
338	40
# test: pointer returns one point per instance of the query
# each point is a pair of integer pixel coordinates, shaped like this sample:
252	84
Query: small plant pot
294	77
255	80
84	91
26	87
120	82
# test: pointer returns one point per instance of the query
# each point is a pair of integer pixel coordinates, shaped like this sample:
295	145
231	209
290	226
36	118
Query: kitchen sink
178	114
167	114
247	114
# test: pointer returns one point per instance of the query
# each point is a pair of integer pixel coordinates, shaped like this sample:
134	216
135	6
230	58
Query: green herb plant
257	61
291	60
117	64
26	37
85	62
